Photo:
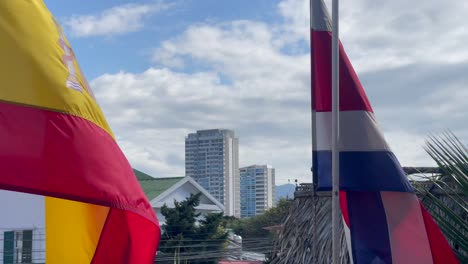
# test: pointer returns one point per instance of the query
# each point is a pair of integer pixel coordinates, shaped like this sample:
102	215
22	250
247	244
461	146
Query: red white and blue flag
384	220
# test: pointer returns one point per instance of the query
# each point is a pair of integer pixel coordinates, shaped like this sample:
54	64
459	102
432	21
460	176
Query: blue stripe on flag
321	170
361	171
368	226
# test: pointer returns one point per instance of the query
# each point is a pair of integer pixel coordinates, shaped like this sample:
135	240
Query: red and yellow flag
55	142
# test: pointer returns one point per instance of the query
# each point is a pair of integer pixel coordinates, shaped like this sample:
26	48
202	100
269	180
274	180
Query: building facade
257	189
22	228
212	160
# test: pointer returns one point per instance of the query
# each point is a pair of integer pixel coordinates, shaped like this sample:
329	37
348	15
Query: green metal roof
153	187
141	175
156	186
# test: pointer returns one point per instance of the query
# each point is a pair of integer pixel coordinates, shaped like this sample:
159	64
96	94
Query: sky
163	69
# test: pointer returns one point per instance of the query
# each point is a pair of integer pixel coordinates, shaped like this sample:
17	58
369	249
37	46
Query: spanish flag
55	142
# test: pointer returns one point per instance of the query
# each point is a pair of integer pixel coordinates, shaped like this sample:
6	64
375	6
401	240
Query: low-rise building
162	191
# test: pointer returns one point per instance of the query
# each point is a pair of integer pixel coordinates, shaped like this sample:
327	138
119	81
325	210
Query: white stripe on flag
348	241
320	19
359	131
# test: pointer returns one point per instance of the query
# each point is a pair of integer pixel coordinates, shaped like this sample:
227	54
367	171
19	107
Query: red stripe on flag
441	251
136	244
344	207
55	154
352	95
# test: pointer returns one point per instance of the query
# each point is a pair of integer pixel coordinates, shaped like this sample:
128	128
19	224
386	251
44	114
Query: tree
254	227
446	196
212	233
188	241
252	230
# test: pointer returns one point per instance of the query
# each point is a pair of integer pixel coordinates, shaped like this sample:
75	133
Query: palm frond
446	195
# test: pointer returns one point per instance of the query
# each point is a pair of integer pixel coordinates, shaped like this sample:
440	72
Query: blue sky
163	69
129	51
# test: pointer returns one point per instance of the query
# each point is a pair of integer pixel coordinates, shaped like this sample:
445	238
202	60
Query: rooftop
153	187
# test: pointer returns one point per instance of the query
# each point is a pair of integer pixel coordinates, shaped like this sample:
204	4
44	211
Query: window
17	246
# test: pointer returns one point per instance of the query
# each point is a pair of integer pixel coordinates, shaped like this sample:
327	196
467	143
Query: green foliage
253	227
446	198
183	239
180	220
252	231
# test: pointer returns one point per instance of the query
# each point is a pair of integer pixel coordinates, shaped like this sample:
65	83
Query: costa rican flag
384	220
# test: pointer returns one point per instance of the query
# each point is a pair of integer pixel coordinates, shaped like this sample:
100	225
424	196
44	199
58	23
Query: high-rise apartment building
257	189
212	159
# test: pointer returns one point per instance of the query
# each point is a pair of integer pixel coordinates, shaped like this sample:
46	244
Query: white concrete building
22	228
212	160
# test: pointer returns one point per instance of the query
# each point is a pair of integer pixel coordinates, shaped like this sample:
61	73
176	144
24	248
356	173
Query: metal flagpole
335	134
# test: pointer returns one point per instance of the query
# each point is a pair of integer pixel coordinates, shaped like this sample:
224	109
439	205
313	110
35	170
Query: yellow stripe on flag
38	65
72	230
58	143
39	69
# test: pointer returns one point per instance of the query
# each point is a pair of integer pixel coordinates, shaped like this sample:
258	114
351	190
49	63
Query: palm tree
445	195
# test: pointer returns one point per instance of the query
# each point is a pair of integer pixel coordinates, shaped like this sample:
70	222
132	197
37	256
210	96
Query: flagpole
335	134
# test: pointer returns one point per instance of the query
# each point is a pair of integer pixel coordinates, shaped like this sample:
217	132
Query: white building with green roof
162	191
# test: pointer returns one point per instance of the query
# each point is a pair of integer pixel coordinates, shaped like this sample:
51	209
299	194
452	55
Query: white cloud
114	21
296	16
398	33
138	148
244	52
383	36
237	75
153	111
409	148
451	101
